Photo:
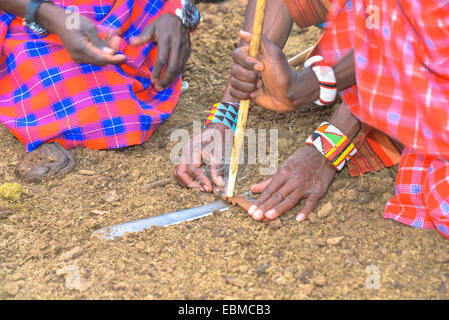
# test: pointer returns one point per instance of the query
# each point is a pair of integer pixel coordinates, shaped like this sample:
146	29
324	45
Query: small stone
243	269
320	242
11	288
325	210
319	281
140	246
304	274
334	241
110	196
87	172
83	285
377	188
352	260
17	276
135	174
120	286
72	254
261	268
365	197
157	184
387	196
444	288
280	280
351	195
99	212
312	217
61	272
4	213
289	270
443	257
308	289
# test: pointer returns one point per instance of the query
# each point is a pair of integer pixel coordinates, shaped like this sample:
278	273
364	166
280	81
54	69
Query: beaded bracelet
326	78
226	113
333	144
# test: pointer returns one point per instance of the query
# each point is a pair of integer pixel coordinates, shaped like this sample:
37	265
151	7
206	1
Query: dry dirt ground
45	243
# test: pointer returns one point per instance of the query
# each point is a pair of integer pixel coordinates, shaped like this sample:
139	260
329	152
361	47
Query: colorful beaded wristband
226	113
326	77
333	144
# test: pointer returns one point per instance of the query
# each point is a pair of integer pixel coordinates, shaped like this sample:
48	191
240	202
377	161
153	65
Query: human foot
47	161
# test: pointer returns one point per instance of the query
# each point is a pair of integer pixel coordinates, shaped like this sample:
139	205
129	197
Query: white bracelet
326	77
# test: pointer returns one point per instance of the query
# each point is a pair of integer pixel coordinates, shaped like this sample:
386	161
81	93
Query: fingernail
220	181
252	209
300	217
258	214
270	213
108	50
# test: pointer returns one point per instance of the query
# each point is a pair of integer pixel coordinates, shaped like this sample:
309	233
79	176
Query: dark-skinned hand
84	44
305	174
265	80
206	148
173	48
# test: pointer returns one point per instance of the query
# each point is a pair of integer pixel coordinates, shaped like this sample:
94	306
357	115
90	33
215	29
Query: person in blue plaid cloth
100	74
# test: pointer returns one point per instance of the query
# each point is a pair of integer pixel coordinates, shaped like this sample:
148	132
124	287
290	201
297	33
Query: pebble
443	257
72	254
140	246
319	281
351	195
11	288
87	172
135	174
289	270
99	212
280	280
261	268
110	196
325	210
320	242
334	241
157	184
308	289
18	276
4	213
387	196
120	286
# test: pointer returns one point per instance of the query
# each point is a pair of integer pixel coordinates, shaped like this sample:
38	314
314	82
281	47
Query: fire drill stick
244	104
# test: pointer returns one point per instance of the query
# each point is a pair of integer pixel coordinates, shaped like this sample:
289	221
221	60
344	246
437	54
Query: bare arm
45	15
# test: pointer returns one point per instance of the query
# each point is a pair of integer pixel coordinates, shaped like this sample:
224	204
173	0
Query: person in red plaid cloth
100	74
390	64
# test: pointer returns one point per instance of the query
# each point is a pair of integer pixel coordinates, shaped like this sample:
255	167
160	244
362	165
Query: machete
168	219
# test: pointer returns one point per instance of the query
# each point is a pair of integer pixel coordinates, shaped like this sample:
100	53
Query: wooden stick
244	104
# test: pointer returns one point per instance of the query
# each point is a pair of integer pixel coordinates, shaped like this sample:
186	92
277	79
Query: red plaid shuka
402	71
45	96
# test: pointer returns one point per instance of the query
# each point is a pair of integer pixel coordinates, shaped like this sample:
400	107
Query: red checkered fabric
402	68
45	96
422	193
